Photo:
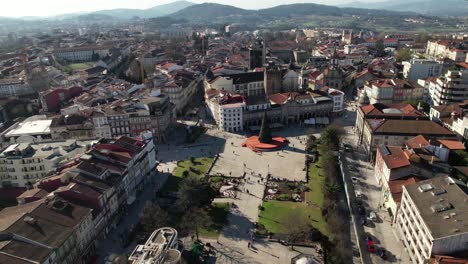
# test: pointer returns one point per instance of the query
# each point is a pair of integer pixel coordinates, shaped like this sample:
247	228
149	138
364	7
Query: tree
194	192
154	217
425	106
194	219
330	138
403	55
380	48
265	132
299	231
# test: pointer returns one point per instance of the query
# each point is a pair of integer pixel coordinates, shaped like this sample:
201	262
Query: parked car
354	180
363	221
358	194
381	252
372	216
361	210
370	246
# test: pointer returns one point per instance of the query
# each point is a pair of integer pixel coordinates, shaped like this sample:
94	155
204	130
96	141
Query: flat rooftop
442	204
36	127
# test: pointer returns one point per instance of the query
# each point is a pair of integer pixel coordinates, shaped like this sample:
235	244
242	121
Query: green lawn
76	67
275	216
218	214
201	165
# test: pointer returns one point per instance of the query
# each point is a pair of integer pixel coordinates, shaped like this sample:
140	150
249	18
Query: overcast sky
19	8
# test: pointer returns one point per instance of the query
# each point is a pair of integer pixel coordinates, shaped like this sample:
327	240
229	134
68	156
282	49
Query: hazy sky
19	8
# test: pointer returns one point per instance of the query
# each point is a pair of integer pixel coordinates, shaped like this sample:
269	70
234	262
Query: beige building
396	132
388	91
21	165
445	49
432	218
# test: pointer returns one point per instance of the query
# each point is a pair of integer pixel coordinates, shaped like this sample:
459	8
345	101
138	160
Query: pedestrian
249	245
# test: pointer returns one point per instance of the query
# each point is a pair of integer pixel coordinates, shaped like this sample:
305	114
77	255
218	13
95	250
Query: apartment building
446	49
432	218
180	88
421	68
226	109
389	91
15	88
51	230
450	88
74	126
22	164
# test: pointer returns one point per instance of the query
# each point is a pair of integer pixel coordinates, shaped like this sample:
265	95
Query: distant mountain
155	11
172	7
324	10
207	11
217	12
426	7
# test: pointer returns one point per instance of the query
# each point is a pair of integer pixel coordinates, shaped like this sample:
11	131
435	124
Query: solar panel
384	150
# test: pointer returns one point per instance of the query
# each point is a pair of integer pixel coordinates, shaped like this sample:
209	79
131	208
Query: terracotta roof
448	260
408	127
417	142
394	157
396	186
452	144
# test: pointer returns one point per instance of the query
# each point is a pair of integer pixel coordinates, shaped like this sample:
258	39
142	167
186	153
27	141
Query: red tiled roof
396	187
448	260
417	142
452	144
396	157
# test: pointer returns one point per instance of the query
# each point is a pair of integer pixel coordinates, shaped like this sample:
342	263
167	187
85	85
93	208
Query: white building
421	68
161	247
432	218
81	54
446	49
33	129
338	99
227	110
450	88
23	164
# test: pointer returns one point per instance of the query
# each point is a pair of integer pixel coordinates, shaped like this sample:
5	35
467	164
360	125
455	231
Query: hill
172	7
208	11
426	7
155	11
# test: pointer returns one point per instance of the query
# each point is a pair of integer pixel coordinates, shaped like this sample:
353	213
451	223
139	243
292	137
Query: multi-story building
432	218
246	84
450	88
14	88
21	165
52	100
227	110
389	91
180	88
72	126
421	68
82	54
446	49
396	132
51	230
382	111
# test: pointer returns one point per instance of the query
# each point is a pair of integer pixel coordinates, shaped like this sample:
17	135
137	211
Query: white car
358	194
354	180
372	216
